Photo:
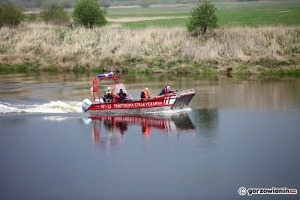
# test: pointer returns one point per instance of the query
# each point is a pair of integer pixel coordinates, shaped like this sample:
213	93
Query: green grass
253	14
156	23
21	68
261	14
119	12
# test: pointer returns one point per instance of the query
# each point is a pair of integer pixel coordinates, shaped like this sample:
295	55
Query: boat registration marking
138	104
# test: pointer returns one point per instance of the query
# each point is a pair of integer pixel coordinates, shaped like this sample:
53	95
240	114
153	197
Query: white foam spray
51	107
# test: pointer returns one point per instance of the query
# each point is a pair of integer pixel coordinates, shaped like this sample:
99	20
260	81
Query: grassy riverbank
253	38
245	50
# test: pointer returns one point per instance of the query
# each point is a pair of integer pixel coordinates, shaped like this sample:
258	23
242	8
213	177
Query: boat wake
51	107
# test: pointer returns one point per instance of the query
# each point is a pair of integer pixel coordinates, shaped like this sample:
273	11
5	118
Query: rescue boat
172	101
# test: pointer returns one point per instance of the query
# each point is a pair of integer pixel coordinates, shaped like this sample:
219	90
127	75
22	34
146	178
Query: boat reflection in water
116	127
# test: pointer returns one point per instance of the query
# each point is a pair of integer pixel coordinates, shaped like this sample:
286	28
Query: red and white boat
172	101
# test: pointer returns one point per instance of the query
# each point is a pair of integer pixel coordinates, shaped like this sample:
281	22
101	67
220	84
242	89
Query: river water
238	132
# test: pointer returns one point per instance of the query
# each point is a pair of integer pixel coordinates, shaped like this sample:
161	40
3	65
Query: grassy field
256	38
230	14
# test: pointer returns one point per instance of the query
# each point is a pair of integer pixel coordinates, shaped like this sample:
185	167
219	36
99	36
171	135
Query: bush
55	15
11	15
202	18
89	14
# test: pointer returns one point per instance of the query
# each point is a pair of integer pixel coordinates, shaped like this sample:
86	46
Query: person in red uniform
95	88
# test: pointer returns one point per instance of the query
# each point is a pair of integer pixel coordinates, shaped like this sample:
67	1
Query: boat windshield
118	87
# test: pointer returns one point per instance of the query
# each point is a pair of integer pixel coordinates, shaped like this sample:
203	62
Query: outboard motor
86	104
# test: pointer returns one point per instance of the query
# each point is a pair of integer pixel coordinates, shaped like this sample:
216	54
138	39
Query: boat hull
158	104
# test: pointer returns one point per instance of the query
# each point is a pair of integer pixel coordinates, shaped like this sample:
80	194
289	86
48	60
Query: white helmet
108	88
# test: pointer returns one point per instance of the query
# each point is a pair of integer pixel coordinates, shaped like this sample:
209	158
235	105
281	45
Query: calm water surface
238	133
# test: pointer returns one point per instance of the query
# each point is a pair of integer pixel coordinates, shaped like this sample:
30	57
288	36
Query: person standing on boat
166	90
122	96
108	96
145	94
95	88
